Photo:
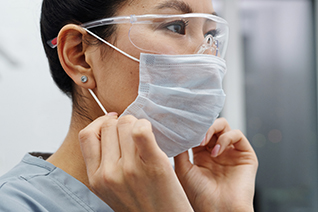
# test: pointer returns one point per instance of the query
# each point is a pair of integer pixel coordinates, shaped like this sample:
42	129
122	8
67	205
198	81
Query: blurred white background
34	114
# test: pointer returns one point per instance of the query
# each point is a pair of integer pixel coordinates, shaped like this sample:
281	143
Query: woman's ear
71	51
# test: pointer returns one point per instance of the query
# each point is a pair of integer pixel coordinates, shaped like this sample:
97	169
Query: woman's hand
127	169
222	177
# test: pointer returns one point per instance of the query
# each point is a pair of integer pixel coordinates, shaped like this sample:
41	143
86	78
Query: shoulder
37	185
18	193
28	168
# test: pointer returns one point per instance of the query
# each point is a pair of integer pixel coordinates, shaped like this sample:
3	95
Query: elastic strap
97	100
112	46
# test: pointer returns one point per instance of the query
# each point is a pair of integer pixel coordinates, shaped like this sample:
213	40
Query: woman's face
117	76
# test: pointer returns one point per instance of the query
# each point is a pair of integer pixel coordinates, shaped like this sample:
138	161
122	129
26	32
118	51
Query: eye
214	33
177	26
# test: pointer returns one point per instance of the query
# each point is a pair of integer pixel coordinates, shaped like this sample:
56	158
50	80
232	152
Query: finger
182	163
124	128
218	127
110	149
89	139
145	141
235	138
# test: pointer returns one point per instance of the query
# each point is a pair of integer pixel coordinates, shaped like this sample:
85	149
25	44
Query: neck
69	156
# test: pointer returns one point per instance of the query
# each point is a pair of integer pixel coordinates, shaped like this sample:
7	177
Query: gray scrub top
37	185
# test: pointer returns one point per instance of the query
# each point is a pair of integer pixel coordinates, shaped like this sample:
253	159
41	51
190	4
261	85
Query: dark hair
57	13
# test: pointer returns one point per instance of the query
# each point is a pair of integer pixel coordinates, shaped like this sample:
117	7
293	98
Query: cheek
119	77
123	82
127	86
129	76
133	40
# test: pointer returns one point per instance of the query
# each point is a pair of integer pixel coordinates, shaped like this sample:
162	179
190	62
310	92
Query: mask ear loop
112	46
97	100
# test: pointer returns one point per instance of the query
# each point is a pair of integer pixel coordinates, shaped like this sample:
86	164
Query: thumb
145	141
182	163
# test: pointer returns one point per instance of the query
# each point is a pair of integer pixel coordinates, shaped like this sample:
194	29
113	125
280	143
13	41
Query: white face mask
181	95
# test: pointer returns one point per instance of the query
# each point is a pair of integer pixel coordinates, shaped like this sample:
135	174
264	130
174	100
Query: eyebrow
178	5
175	4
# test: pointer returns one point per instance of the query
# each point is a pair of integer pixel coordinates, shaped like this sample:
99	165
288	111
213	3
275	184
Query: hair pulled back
58	13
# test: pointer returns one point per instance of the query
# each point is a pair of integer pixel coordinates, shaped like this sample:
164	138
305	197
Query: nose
208	46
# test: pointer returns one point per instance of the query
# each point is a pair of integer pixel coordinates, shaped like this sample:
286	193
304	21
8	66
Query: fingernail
203	141
112	114
216	150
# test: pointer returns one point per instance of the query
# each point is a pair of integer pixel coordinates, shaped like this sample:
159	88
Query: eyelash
185	23
215	32
182	22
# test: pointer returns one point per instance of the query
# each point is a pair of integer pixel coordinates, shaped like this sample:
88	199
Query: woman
158	79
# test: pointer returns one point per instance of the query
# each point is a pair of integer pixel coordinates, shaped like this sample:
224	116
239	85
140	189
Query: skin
106	154
127	169
224	169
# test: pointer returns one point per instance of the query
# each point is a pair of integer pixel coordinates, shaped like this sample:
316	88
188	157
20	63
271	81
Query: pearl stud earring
84	79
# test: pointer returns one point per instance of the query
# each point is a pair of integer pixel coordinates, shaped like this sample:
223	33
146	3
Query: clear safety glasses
191	33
